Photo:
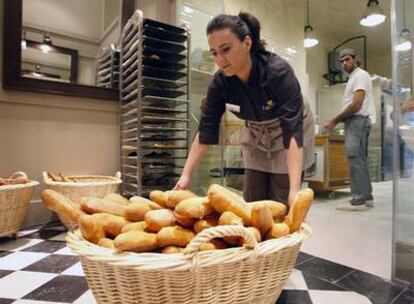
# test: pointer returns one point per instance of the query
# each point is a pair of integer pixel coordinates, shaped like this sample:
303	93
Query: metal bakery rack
154	105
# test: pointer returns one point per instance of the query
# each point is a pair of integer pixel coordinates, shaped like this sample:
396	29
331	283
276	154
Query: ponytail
242	25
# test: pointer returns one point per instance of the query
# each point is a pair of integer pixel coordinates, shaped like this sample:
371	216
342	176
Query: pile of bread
169	220
18	177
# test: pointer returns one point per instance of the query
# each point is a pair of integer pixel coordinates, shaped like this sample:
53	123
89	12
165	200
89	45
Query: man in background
358	113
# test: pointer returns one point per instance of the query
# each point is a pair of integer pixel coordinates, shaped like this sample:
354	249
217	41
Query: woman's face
230	54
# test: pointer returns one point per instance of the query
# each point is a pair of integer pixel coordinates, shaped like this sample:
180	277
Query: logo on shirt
270	104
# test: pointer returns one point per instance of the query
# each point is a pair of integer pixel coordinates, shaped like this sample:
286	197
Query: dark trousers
265	186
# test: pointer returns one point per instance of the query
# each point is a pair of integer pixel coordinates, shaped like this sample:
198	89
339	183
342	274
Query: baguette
277	209
135	211
137	241
61	205
194	207
222	199
174	236
299	209
278	230
214	244
172	249
107	243
157	219
262	218
141	226
99	205
111	224
176	196
116	198
90	228
202	224
159	197
139	199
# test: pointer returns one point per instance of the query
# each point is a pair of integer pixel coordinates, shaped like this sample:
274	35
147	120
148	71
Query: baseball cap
347	52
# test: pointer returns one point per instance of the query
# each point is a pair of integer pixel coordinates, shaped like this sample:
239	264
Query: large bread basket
14	200
86	185
255	273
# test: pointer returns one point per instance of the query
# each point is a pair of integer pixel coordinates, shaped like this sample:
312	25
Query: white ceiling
339	20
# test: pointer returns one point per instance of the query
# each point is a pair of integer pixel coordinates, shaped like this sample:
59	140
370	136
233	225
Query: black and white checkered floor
38	268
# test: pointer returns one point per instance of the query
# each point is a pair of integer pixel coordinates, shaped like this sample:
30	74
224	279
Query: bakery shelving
154	93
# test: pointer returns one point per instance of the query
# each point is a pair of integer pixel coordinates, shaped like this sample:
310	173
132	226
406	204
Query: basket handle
218	232
118	175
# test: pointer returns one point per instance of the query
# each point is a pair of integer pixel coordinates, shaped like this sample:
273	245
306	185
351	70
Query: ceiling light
310	39
373	14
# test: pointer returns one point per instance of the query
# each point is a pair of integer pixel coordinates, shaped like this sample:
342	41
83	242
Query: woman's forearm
197	152
295	165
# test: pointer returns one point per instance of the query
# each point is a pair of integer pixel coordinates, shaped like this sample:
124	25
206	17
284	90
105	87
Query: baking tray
162	54
162	92
164	34
162	73
158	63
162	83
163	45
165	26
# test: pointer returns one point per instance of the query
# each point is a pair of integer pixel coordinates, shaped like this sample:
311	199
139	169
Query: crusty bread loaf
262	217
277	209
61	205
229	218
116	198
299	209
186	222
141	226
111	224
140	199
99	205
90	228
174	236
214	244
137	241
176	196
135	211
172	249
159	197
157	219
107	243
202	224
194	207
222	199
278	230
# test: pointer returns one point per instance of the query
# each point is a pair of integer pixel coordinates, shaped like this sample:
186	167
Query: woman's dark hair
241	25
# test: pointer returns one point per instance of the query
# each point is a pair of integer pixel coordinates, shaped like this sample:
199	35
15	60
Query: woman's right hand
183	183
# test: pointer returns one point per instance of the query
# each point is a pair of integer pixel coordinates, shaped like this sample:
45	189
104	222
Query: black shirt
272	91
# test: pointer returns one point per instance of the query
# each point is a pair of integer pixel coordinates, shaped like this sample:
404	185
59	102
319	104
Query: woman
260	88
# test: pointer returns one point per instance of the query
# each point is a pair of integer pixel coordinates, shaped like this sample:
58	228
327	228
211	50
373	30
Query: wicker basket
14	200
86	185
255	273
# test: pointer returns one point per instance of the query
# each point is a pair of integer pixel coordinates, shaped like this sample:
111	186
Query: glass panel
403	117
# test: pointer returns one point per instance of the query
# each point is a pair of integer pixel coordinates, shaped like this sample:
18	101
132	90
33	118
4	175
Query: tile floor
38	268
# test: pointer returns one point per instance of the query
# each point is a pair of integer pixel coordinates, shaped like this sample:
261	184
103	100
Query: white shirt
359	79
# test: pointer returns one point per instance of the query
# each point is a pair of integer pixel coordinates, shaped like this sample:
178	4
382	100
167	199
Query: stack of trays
154	104
107	69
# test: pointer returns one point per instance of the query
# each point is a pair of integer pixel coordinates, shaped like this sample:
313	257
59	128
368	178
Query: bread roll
157	219
278	230
174	236
277	209
262	217
214	244
137	241
135	211
176	196
222	199
61	205
159	197
229	218
139	199
107	243
172	249
194	207
184	221
141	226
111	224
202	224
116	198
90	228
99	205
299	209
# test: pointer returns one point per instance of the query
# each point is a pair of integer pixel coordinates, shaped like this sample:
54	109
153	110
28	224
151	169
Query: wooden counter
332	170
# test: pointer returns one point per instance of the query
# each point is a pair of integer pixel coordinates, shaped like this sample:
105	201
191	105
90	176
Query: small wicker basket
255	273
86	185
14	200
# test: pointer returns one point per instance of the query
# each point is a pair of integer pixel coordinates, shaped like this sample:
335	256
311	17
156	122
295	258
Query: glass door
403	140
